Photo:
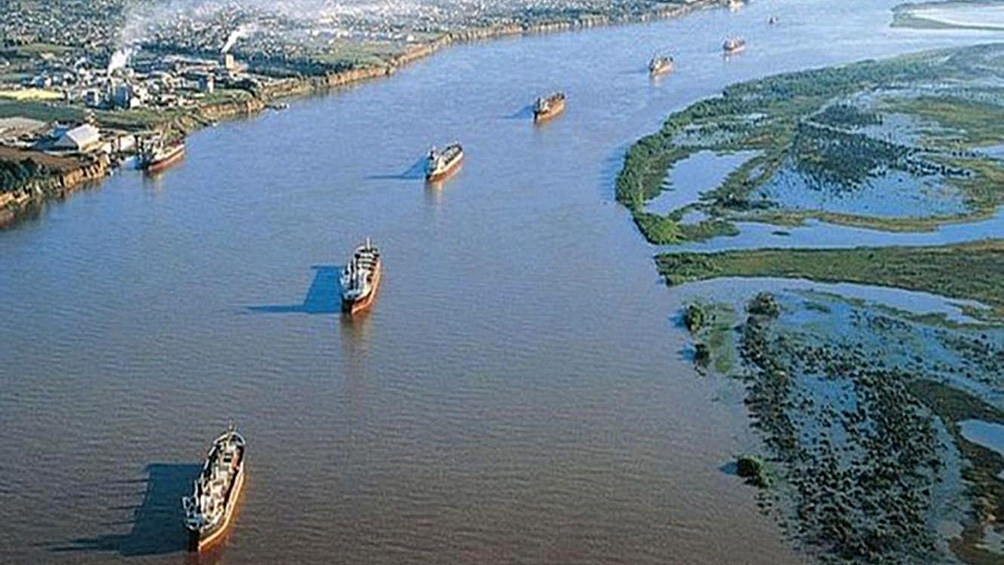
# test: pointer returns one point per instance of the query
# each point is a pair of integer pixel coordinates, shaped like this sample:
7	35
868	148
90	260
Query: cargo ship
210	509
545	108
160	157
441	164
361	278
734	45
660	65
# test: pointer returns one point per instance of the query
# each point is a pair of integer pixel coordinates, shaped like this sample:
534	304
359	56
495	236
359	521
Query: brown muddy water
518	393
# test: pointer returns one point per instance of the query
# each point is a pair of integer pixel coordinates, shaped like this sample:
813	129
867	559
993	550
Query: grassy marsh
848	135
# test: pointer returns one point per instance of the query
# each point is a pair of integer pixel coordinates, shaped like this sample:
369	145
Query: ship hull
201	541
160	165
661	70
553	110
735	50
354	306
446	171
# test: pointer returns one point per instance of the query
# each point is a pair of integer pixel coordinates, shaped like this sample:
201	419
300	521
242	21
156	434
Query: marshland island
872	374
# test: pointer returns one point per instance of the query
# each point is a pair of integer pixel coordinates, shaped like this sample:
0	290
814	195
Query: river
518	393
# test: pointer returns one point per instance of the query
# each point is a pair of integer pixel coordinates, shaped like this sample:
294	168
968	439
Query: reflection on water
434	192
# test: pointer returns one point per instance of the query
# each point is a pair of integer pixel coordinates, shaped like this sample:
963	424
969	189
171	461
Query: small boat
361	278
734	45
210	508
660	65
545	108
441	164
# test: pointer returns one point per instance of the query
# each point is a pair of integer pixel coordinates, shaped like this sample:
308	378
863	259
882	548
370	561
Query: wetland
890	145
879	423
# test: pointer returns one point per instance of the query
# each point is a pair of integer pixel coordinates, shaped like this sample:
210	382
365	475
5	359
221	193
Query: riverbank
44	177
237	103
907	144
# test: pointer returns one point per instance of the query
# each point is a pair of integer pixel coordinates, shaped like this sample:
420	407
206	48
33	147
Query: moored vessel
159	157
441	164
660	65
734	45
547	107
210	508
360	278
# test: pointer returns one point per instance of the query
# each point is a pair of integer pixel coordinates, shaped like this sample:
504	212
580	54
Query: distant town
88	84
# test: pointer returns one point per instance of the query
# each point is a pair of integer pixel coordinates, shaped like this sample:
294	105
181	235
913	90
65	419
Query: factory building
82	139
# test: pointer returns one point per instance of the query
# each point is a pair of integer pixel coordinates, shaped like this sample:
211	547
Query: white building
81	138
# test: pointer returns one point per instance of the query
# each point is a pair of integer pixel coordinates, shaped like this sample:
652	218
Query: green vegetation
965	121
694	317
963	271
826	126
858	457
37	49
41	111
753	469
14	174
854	403
711	327
764	304
987	490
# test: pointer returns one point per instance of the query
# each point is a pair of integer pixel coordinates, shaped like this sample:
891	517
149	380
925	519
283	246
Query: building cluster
67	139
88	24
151	81
285	32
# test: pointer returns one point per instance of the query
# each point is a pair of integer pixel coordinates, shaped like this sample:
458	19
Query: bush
702	355
694	317
764	304
14	174
752	468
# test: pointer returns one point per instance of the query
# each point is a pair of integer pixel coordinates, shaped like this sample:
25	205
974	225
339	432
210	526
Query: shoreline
16	204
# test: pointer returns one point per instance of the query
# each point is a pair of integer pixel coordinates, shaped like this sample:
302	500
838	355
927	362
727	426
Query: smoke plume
242	31
119	59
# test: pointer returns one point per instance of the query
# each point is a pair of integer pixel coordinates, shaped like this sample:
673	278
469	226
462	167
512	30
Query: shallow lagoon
987	434
695	175
889	194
